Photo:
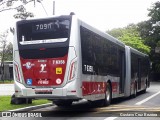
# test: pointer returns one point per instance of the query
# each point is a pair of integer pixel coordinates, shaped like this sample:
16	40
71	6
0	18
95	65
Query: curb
31	108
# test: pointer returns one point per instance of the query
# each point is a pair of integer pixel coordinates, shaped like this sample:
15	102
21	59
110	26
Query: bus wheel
62	103
135	91
144	91
108	95
28	101
17	101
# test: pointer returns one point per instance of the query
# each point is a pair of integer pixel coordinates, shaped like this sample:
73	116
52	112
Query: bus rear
43	67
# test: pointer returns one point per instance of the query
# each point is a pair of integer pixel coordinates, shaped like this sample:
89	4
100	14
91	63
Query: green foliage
131	37
6	51
8	54
150	32
6	81
22	13
154	23
158	44
5	103
154	12
116	32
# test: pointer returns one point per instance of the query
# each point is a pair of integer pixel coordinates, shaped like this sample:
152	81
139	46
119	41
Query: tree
131	37
150	32
8	52
19	6
3	41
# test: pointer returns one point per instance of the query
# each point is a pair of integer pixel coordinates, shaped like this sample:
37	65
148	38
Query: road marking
145	100
31	107
125	108
148	109
110	118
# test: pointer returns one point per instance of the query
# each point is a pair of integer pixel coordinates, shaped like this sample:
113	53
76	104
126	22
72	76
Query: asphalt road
146	106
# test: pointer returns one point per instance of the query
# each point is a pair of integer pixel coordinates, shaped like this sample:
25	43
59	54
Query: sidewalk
6	89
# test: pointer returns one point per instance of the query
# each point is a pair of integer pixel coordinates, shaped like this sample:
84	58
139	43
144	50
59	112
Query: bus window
47	30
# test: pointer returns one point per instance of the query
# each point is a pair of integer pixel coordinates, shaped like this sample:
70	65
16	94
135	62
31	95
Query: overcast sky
107	14
102	14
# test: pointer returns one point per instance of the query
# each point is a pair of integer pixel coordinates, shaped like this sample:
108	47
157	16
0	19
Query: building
8	71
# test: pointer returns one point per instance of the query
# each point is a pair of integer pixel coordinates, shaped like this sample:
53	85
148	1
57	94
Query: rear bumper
44	93
74	98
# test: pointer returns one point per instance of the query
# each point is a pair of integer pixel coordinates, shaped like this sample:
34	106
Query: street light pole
54	3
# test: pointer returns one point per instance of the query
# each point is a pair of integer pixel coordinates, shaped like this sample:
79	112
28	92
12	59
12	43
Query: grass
6	81
5	103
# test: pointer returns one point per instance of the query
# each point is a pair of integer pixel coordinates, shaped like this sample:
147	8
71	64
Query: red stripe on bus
91	88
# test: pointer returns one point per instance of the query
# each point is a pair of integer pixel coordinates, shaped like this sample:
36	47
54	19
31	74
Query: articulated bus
64	59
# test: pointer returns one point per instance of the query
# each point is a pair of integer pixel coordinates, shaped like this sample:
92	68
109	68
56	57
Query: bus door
139	73
122	71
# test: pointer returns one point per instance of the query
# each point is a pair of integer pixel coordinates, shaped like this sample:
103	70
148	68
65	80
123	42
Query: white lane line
30	107
110	118
145	100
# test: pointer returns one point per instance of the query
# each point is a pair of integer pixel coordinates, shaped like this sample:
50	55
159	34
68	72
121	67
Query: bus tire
108	95
62	103
144	91
16	101
135	91
28	101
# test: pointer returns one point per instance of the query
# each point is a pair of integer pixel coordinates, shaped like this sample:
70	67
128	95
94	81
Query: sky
107	14
102	14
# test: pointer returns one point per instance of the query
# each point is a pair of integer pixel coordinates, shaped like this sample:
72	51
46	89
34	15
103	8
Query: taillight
73	68
17	73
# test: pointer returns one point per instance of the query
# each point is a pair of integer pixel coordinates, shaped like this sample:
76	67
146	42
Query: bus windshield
43	31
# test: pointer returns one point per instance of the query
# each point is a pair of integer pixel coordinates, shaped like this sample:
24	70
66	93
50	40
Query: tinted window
134	65
139	65
44	38
100	53
41	54
47	29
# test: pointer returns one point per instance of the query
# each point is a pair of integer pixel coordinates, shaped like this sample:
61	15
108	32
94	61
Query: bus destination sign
41	27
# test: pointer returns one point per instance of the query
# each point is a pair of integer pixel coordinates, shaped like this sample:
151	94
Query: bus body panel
66	88
94	85
133	57
128	72
75	43
139	69
83	72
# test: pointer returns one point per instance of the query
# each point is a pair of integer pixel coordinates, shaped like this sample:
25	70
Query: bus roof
44	18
